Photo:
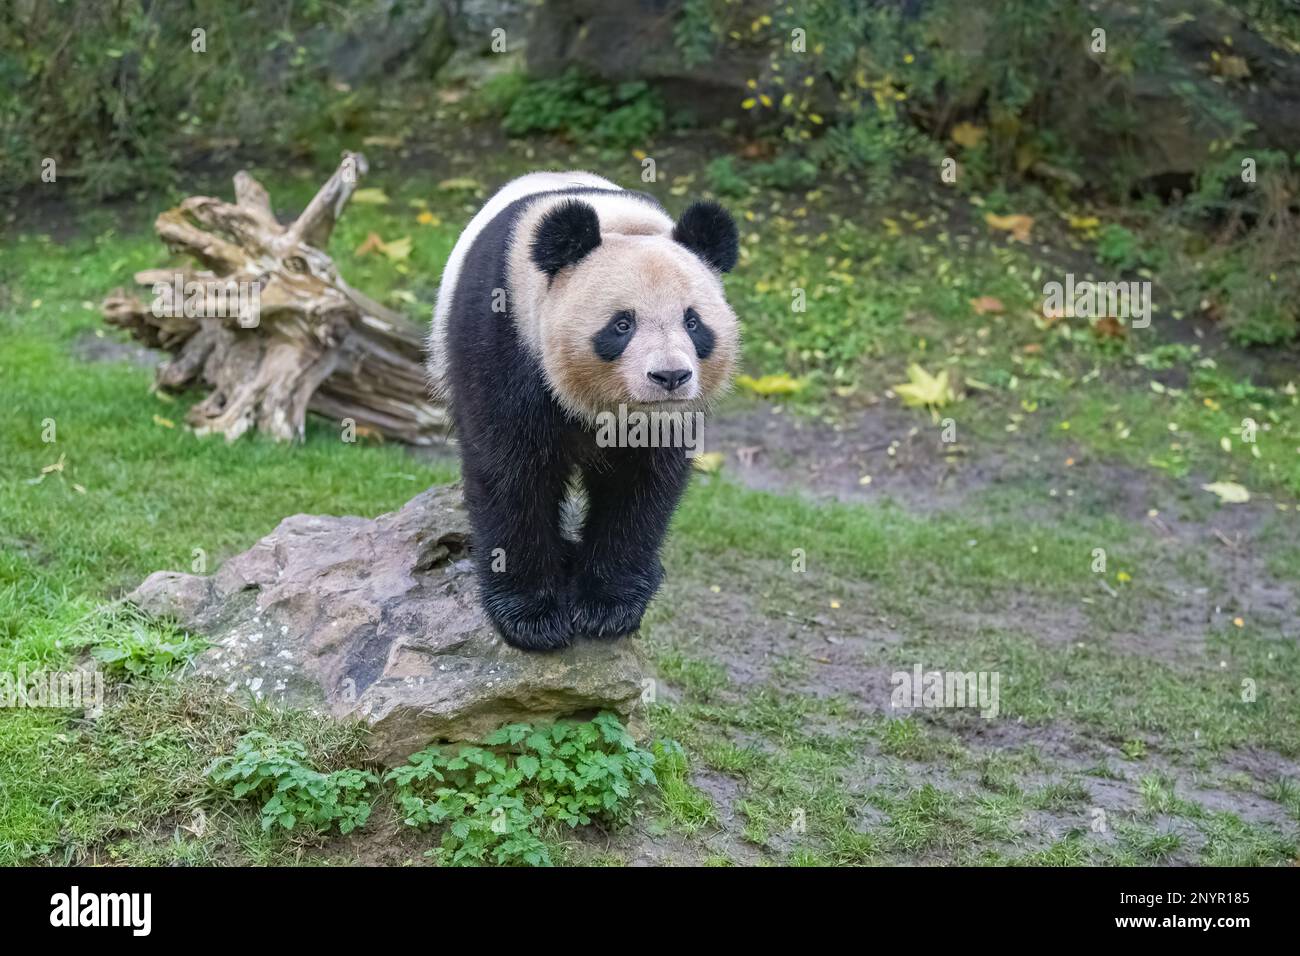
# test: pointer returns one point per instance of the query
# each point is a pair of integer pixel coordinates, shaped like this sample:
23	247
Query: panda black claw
600	610
530	625
606	619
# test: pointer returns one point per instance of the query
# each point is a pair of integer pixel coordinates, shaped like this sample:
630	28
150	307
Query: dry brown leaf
1109	327
986	304
373	243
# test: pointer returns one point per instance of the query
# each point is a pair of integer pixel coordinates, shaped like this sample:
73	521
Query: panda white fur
565	297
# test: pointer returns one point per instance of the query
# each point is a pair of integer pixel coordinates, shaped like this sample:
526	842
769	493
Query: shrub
294	793
572	104
497	805
789	172
116	94
1121	248
726	179
1252	272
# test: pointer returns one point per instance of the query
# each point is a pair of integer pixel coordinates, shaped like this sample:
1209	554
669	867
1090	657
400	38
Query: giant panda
567	296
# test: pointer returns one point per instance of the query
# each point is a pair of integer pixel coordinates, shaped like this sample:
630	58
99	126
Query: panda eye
623	326
692	323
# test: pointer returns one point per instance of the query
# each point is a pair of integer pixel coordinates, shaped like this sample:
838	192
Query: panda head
635	317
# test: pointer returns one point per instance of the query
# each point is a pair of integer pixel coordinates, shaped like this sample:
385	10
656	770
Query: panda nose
670	378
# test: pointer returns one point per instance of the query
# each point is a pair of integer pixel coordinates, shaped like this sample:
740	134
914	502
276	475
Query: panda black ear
708	230
565	235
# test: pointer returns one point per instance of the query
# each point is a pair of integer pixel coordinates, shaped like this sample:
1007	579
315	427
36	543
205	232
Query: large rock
635	40
373	43
377	619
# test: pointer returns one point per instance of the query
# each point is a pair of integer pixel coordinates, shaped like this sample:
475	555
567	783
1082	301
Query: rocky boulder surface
377	619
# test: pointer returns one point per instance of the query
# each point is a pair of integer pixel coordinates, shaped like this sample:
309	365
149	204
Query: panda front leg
631	496
521	559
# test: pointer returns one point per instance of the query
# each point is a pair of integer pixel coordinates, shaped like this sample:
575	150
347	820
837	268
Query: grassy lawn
1123	733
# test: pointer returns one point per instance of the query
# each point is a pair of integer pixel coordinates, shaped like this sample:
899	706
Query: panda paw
596	616
531	622
605	605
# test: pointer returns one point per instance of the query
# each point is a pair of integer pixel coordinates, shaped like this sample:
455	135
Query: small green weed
498	804
624	115
263	767
128	644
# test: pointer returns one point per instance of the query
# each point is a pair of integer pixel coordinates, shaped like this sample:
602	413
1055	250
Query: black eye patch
701	335
610	341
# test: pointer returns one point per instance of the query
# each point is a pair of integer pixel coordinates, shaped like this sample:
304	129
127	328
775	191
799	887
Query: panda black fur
561	300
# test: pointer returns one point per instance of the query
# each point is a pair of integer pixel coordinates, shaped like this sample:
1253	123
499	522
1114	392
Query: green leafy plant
499	92
128	644
726	179
698	30
788	172
573	104
1119	247
497	805
294	793
1253	275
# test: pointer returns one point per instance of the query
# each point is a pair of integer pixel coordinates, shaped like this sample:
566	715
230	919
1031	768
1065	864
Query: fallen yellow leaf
770	384
398	249
371	196
1228	492
459	184
925	390
1019	226
1232	67
709	462
967	134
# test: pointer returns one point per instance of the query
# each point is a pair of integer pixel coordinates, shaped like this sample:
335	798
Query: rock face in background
633	40
377	619
1214	44
476	19
387	39
1263	79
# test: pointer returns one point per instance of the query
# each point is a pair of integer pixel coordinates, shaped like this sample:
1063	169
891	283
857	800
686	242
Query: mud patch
880	451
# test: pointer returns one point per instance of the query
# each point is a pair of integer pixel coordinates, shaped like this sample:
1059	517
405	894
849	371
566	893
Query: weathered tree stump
270	326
